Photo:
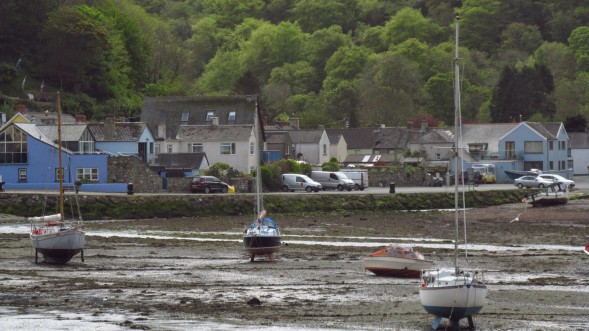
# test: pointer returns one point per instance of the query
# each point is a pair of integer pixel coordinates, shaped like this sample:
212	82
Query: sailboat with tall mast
262	237
454	293
54	238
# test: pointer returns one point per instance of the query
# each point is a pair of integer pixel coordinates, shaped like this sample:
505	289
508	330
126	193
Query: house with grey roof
181	164
434	146
279	142
311	146
124	138
220	126
231	144
358	140
532	145
29	159
338	147
75	137
579	146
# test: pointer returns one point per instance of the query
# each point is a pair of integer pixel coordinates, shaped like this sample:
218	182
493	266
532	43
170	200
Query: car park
532	182
208	184
558	178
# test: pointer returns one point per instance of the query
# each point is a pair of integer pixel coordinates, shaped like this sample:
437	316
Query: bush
218	169
7	72
332	165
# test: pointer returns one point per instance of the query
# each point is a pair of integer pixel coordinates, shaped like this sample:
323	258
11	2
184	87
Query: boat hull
259	245
453	302
61	246
395	266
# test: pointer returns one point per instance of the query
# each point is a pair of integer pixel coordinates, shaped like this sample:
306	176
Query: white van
294	182
360	179
332	180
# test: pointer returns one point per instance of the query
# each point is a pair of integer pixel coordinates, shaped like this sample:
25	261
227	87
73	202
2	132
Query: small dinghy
396	261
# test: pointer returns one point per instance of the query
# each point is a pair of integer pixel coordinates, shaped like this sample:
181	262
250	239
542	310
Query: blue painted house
543	146
29	160
124	138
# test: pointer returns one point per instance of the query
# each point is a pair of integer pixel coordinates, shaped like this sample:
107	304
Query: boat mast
257	156
457	132
60	169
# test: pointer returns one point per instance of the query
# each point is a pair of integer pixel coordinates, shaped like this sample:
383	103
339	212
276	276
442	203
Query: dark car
208	184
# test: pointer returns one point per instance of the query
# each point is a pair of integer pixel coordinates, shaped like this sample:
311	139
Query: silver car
533	181
557	178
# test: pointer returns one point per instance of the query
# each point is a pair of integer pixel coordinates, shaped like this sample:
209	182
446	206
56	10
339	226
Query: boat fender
422	284
468	285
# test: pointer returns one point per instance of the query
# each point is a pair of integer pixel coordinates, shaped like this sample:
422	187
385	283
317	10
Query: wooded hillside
329	62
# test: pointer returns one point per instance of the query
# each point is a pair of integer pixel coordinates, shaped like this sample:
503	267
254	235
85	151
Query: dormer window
210	116
231	116
185	116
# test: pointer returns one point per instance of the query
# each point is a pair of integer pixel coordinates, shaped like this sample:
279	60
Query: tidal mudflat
192	273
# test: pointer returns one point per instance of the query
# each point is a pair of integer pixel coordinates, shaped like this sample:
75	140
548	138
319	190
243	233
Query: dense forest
331	62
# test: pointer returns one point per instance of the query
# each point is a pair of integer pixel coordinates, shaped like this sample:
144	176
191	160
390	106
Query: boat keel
454	323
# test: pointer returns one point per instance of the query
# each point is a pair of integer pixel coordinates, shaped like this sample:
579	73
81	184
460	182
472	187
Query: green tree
321	45
74	45
313	15
577	123
523	92
409	23
557	58
221	74
481	22
206	39
271	46
389	89
229	13
579	44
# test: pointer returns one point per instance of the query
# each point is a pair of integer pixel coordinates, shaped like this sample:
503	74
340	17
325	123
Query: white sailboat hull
58	244
453	302
446	295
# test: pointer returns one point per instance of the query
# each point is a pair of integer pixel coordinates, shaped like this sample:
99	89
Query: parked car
360	179
208	184
293	182
567	182
532	181
332	180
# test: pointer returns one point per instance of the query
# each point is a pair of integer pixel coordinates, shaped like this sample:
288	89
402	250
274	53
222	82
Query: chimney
161	130
109	129
81	118
423	126
294	122
215	121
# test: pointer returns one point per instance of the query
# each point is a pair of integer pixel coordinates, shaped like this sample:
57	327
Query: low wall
122	206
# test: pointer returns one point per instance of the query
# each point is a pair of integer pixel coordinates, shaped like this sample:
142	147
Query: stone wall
382	177
130	169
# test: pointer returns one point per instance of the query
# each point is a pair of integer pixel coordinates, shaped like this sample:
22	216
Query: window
510	149
22	175
86	143
562	145
184	116
228	148
157	149
57	174
324	149
252	149
210	116
438	156
551	144
170	149
562	165
550	165
195	148
231	116
533	147
90	174
13	146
